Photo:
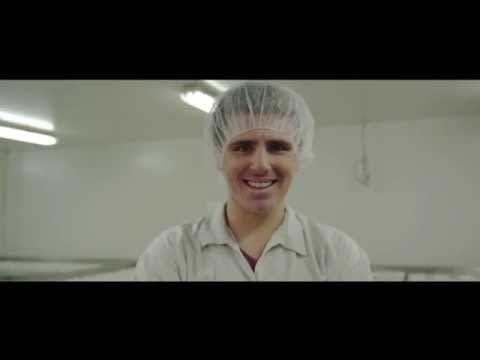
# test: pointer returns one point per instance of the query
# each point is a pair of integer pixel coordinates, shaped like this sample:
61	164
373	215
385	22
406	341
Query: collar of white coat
289	234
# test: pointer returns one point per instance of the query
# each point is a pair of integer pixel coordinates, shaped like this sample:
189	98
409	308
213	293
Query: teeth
259	185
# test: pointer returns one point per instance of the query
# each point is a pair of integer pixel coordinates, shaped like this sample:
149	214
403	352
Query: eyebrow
280	141
242	142
254	142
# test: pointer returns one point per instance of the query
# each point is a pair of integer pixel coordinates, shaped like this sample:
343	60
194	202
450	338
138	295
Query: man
261	135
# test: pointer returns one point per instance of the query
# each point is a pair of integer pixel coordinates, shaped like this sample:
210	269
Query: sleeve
351	262
159	261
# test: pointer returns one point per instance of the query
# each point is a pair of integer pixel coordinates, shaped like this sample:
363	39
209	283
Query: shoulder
342	256
164	257
179	236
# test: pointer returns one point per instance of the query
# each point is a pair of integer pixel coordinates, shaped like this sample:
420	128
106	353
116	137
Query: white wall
3	174
423	204
103	202
111	201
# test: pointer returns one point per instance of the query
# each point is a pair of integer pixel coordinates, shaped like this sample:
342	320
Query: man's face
258	166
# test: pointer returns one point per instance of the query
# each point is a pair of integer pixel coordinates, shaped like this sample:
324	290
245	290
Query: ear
297	161
219	162
297	166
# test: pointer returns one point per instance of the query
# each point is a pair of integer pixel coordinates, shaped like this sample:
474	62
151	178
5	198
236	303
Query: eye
242	147
278	146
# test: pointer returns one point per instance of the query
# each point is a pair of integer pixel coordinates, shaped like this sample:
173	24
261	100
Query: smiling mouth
259	185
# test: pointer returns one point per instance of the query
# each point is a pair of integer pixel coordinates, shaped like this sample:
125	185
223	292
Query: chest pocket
207	274
217	264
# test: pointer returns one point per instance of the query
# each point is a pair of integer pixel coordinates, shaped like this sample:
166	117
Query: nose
260	161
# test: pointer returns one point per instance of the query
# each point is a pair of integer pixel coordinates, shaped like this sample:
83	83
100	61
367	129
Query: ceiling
86	112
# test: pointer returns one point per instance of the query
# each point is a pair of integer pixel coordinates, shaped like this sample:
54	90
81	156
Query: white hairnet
260	106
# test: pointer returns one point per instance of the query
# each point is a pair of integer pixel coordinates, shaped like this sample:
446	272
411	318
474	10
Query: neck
244	223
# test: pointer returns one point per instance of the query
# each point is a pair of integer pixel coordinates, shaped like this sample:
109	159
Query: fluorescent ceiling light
26	121
198	99
215	84
26	136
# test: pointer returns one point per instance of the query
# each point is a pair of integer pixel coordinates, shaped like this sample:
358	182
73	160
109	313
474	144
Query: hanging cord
362	173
